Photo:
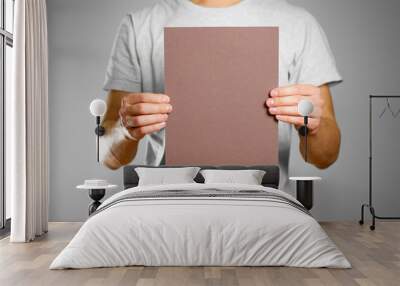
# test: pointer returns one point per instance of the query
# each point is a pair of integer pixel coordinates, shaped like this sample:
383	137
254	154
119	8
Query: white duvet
200	231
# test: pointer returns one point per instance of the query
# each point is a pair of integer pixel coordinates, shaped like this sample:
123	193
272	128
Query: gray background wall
363	35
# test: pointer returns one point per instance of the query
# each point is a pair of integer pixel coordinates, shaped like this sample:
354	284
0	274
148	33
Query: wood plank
375	257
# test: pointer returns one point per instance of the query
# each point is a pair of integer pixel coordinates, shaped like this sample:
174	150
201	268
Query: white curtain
27	123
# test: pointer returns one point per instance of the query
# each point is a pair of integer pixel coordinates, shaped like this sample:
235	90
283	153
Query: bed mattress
201	225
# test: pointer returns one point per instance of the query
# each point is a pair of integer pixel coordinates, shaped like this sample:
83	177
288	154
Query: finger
298	121
139	132
146	97
284	101
147	108
299	89
143	120
284	110
313	124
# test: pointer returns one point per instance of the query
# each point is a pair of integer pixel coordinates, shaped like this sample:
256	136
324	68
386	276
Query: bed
201	224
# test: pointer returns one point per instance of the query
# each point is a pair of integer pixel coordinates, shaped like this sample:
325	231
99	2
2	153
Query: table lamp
98	108
304	185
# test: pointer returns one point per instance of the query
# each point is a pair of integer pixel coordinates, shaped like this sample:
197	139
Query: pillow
248	177
165	176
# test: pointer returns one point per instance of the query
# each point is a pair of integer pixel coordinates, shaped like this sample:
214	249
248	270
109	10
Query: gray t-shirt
137	58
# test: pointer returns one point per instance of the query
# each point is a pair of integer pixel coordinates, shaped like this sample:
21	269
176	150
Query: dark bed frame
304	189
270	179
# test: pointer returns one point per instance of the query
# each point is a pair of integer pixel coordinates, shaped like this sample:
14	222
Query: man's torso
149	30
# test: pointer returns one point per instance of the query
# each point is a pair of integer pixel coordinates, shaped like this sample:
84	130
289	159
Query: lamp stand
100	131
303	131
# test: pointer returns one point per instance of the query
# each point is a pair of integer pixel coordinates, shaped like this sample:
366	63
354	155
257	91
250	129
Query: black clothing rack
370	203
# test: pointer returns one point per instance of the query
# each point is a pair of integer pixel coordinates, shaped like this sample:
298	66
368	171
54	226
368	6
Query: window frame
6	39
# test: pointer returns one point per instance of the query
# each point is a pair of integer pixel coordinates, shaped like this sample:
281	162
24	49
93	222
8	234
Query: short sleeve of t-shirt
314	62
123	70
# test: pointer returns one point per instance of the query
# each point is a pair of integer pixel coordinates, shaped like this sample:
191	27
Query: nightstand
97	190
304	190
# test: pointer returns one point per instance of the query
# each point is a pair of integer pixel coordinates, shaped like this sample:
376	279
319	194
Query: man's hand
324	135
144	113
283	105
140	113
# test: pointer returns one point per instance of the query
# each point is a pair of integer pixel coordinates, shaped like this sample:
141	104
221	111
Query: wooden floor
375	257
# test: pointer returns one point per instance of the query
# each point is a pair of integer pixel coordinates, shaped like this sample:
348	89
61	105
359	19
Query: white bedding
200	231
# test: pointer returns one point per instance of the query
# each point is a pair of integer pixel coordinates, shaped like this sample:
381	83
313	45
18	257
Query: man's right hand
144	113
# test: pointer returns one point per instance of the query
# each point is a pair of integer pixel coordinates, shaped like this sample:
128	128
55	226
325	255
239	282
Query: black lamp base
100	130
96	195
303	130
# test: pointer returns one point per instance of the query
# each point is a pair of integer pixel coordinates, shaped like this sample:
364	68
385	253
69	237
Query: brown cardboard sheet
218	79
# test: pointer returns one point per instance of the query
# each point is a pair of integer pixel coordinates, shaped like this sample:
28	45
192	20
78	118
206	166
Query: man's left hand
284	100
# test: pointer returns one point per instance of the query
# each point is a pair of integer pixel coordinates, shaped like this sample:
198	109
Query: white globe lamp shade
305	107
98	107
